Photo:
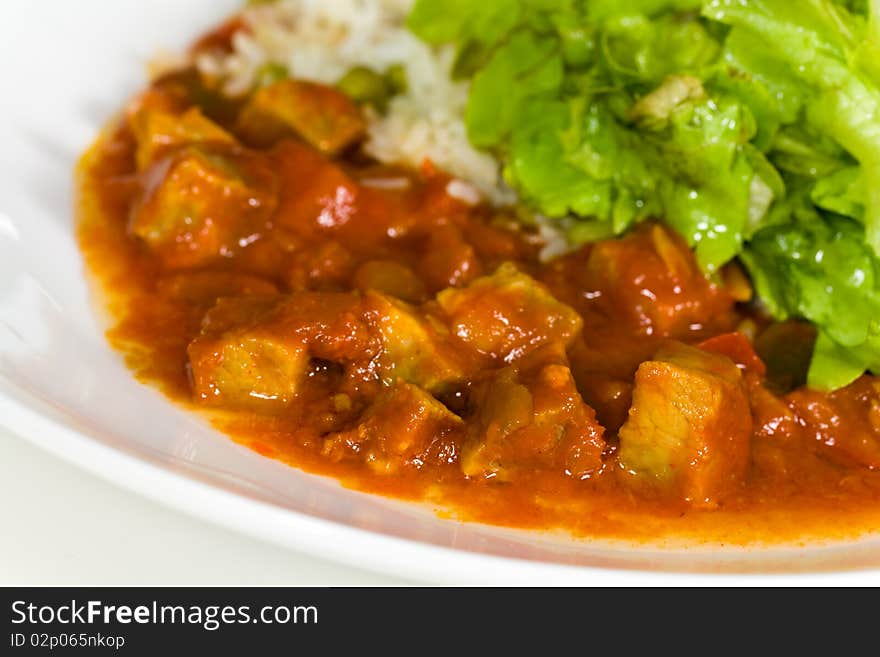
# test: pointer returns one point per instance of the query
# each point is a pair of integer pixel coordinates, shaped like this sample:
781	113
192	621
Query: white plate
66	68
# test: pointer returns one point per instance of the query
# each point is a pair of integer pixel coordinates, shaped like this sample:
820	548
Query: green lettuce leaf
825	48
488	21
821	269
525	66
752	127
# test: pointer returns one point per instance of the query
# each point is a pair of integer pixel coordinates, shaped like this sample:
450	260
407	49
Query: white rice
321	40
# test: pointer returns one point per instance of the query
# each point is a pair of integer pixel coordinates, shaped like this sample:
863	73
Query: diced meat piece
508	314
202	287
317	194
331	325
650	280
690	426
199	205
320	198
503	407
416	347
404	428
254	351
239	361
739	349
322	116
250	369
334	326
391	278
157	132
844	425
532	420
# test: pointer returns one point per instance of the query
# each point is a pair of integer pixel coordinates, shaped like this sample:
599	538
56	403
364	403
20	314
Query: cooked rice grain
321	40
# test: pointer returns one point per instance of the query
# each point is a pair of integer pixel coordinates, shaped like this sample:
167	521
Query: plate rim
23	413
338	542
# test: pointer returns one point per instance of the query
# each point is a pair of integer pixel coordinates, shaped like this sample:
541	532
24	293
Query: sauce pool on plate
379	325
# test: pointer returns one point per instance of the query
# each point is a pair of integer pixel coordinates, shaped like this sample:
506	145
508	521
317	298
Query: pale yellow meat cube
322	116
508	314
405	427
416	347
689	427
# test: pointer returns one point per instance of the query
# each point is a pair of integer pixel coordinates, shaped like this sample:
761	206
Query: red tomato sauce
357	321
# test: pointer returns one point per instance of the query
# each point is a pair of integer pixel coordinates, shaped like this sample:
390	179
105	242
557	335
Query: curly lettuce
752	127
821	269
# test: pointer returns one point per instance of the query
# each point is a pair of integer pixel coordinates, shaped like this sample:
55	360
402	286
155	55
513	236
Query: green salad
752	127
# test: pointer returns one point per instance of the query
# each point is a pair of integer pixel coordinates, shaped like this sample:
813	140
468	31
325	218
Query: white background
62	526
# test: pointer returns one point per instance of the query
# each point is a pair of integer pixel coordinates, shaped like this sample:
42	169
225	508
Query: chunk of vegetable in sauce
364	85
739	349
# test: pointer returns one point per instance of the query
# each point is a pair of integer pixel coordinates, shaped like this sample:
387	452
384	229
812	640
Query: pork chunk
201	204
416	347
508	314
254	352
322	116
689	427
392	278
532	419
650	280
317	195
404	428
333	326
242	361
158	131
843	426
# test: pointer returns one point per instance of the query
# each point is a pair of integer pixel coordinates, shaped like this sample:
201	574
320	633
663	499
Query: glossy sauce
339	227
